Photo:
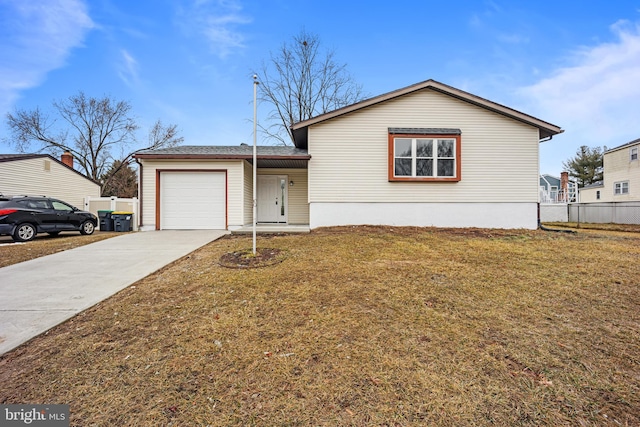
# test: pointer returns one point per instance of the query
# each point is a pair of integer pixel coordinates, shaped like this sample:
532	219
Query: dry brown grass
358	327
13	253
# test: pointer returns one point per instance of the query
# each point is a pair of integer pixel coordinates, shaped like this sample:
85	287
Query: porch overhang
267	156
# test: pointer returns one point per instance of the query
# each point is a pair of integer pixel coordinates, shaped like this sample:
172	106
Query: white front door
272	198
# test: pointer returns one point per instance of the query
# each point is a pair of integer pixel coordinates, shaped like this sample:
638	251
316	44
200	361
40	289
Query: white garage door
192	200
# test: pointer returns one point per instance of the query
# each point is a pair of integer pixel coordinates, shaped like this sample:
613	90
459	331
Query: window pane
445	168
424	167
403	167
424	148
283	185
445	148
402	147
61	206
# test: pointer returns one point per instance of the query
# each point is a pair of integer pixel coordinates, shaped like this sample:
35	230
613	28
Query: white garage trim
191	199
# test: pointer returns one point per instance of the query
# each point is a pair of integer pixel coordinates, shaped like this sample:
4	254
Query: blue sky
190	62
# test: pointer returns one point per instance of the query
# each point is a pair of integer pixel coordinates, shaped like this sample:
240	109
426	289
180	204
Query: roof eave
546	129
160	156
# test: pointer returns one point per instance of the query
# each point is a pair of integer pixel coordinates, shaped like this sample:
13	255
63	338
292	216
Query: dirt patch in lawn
13	253
245	258
358	326
626	228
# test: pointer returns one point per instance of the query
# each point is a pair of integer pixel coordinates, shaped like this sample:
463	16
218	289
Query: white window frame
434	159
620	188
633	154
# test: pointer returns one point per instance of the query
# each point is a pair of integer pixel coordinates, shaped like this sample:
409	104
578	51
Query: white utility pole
255	160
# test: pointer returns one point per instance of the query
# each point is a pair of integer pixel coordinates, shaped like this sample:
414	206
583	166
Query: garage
191	200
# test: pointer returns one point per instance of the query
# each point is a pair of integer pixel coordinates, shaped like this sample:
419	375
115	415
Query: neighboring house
557	190
621	176
425	155
44	175
591	193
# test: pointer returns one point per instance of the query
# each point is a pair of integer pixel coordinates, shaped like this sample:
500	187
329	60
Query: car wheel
24	232
87	227
53	233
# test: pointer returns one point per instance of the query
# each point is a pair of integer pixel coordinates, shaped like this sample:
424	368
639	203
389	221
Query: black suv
22	217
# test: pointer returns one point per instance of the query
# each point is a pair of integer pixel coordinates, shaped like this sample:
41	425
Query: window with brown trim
424	157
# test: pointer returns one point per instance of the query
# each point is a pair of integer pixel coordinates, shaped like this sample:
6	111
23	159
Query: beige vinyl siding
298	205
235	186
589	195
43	176
248	193
618	167
350	160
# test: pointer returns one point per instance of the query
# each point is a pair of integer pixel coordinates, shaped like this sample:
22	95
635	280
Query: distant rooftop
634	142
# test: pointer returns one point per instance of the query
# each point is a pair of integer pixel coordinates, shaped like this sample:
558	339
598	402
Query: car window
34	204
39	204
59	206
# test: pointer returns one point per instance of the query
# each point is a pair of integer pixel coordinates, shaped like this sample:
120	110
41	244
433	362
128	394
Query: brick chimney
564	186
67	159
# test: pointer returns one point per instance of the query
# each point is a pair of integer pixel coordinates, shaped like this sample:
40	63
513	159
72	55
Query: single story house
424	155
620	178
44	175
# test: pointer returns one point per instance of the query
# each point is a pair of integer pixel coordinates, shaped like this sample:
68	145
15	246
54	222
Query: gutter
549	138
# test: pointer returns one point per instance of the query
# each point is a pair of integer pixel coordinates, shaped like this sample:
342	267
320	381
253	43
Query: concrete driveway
39	294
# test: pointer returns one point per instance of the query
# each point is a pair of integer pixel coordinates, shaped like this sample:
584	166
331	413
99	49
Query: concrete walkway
39	294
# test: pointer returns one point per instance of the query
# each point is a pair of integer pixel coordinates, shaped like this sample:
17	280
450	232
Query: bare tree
91	129
159	136
301	82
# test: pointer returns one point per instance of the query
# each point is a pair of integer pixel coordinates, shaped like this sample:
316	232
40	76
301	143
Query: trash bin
122	221
106	221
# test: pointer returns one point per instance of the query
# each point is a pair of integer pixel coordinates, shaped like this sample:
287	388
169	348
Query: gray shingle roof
635	141
227	150
268	156
9	157
594	185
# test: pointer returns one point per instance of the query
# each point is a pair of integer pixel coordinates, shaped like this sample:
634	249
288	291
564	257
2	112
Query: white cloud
128	70
595	96
513	38
218	22
599	91
36	37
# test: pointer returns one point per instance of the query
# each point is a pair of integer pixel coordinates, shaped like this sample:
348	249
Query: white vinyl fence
554	212
95	204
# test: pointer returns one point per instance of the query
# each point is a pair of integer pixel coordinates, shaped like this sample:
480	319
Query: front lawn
358	326
14	252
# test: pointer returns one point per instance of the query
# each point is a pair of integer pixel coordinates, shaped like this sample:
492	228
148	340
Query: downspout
139	194
540	226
